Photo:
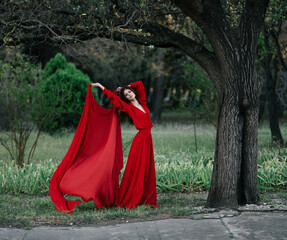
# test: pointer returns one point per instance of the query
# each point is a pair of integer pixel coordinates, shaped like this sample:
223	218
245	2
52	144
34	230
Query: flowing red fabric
138	185
92	165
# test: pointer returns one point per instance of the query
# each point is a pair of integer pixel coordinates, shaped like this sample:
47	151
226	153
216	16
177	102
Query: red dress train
138	185
92	165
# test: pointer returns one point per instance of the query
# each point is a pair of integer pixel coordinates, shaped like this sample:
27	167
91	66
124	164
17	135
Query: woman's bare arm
98	85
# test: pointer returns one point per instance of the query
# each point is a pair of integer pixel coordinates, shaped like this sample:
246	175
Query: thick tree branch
161	36
208	15
253	15
145	33
193	9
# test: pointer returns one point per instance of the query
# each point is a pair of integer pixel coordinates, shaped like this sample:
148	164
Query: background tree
272	61
18	100
231	28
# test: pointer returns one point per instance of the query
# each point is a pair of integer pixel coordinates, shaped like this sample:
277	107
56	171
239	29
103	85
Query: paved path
215	226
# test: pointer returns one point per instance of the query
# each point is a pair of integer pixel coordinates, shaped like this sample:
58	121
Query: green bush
61	78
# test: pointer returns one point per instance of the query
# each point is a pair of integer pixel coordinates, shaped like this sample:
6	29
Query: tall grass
178	171
31	179
178	166
181	171
272	172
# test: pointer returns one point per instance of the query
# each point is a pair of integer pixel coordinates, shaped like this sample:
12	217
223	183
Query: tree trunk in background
274	107
43	54
177	95
262	104
272	99
157	95
157	100
147	89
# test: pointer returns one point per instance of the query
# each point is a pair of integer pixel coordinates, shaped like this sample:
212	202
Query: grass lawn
29	211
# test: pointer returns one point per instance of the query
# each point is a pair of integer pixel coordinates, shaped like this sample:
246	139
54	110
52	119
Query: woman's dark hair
122	95
122	115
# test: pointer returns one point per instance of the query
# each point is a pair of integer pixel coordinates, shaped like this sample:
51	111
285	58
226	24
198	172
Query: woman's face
129	94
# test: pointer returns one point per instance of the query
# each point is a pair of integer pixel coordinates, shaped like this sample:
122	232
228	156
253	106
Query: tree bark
234	178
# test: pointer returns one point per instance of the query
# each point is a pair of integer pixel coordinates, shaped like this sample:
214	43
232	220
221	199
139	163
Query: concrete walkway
215	226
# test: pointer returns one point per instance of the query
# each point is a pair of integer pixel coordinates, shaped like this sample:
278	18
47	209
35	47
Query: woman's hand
98	85
119	89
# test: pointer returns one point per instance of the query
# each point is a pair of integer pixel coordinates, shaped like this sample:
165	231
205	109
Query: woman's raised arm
98	85
115	100
140	91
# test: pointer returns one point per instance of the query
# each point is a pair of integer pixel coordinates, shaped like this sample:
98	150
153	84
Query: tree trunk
20	157
158	89
270	83
147	89
262	105
234	178
157	100
274	112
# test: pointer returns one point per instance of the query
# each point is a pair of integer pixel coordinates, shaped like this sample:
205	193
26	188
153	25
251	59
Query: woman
138	185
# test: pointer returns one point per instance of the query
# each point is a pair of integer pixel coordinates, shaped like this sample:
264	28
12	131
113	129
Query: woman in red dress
138	185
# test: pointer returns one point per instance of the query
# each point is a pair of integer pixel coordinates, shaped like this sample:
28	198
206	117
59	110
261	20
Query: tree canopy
156	23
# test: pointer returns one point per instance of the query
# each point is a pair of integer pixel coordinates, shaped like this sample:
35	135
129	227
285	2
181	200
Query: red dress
138	185
92	165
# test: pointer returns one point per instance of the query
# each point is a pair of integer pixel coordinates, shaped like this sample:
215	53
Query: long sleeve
140	90
116	101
